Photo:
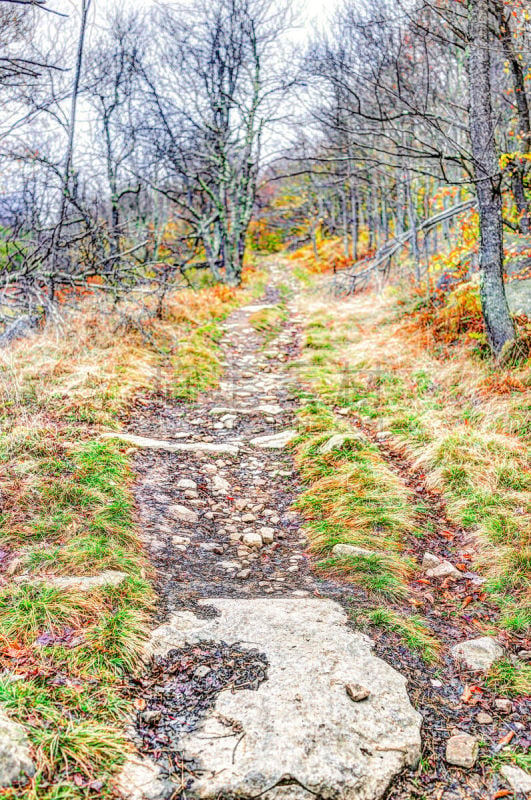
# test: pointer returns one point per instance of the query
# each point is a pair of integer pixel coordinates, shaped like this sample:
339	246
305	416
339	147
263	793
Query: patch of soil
177	691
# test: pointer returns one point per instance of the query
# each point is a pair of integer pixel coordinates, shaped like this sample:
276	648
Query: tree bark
524	119
412	215
498	322
354	221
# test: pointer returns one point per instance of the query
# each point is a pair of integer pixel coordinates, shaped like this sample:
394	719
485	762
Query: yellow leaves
507	159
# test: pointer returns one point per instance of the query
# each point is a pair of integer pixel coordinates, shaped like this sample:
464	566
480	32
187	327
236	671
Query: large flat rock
299	734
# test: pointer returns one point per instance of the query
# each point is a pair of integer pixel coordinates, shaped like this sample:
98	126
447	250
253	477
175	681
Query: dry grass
465	423
327	254
412	630
68	509
353	498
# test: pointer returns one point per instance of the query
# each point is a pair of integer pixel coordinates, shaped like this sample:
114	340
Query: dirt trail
220	529
231	495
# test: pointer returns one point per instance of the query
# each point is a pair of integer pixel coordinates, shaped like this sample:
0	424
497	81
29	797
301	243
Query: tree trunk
354	222
524	118
412	215
498	322
69	156
344	219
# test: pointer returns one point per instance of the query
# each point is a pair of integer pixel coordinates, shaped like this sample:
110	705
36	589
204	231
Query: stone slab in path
144	442
274	441
300	734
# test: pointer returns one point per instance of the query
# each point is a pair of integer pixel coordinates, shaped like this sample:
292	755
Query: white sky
309	13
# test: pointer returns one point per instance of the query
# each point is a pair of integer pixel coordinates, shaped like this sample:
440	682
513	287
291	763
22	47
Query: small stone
15	761
269	409
180	539
357	692
244	573
202	671
351	550
211	469
519	781
525	655
430	561
181	512
268	535
478	654
436	683
186	483
292	569
503	704
229	565
252	539
150	717
210	546
190	494
462	750
381	435
220	484
218	549
444	570
483	718
248	518
276	441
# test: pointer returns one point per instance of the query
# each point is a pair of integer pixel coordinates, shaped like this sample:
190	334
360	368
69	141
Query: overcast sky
310	13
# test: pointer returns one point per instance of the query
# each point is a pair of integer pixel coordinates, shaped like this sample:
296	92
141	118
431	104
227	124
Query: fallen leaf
506	739
502	793
468	694
139	703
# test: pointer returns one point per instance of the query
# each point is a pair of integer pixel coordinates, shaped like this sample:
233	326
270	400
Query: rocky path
258	686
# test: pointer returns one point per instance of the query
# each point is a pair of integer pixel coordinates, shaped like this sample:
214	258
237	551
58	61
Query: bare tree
113	73
210	108
498	322
410	89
